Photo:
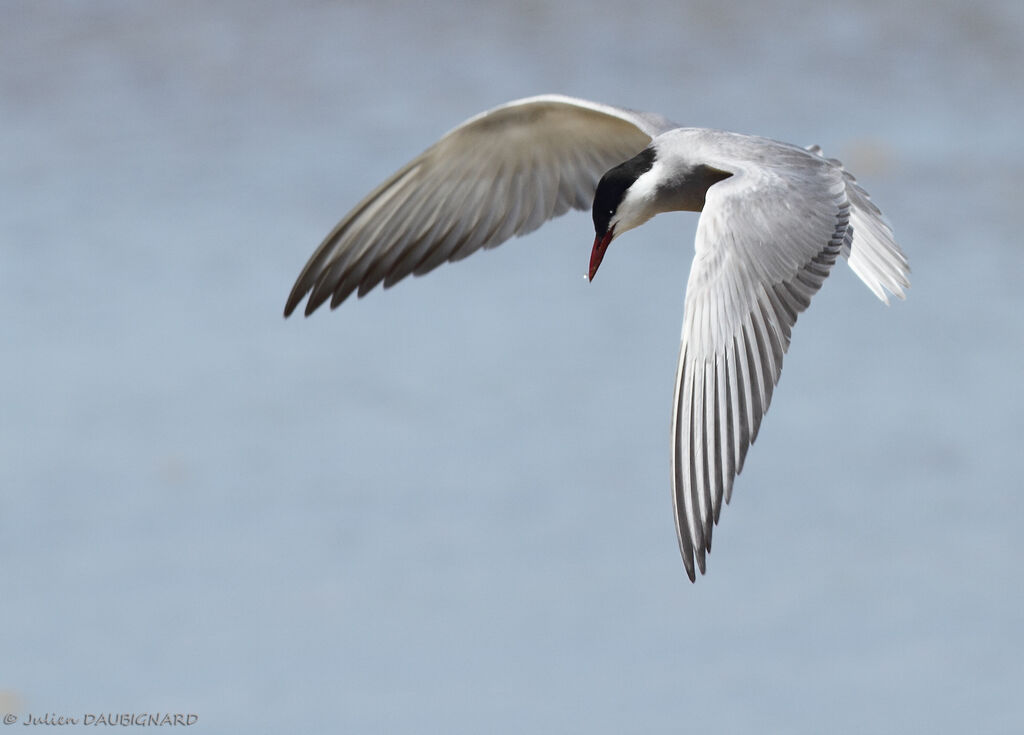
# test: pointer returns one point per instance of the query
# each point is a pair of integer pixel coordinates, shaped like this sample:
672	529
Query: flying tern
774	219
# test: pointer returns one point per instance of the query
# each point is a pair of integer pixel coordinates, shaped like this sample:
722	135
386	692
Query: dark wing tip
299	291
686	551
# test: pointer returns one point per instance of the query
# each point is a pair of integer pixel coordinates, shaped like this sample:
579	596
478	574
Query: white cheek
638	205
644	189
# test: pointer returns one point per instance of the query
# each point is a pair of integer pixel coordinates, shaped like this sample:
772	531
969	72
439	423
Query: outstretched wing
766	240
502	173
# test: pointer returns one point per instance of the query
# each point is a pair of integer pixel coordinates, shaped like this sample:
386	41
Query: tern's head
645	185
619	205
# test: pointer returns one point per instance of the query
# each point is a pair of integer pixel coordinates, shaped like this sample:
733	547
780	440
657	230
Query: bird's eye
611	212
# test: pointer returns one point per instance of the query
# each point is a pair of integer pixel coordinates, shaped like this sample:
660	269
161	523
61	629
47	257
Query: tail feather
873	253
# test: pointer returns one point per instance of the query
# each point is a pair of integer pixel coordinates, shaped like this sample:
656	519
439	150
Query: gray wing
766	240
502	173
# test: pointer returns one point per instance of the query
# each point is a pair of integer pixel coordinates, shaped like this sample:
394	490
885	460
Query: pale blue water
445	508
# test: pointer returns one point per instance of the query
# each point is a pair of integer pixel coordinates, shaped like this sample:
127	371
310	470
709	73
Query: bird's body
774	219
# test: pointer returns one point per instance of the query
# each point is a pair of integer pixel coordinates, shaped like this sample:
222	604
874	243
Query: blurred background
446	507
